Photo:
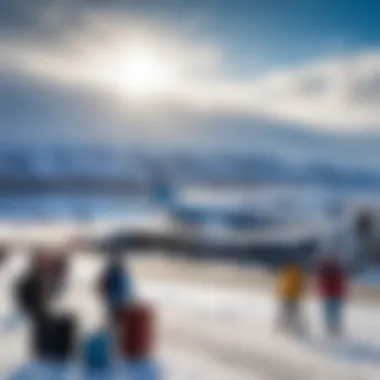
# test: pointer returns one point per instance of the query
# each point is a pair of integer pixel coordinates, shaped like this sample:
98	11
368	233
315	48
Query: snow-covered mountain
105	164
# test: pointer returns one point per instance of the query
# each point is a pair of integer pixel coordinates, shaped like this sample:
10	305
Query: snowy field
204	333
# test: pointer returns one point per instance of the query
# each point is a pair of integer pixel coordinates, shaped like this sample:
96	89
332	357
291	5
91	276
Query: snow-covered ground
208	332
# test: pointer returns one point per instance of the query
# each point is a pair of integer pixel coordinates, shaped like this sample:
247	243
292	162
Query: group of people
46	276
128	331
330	282
47	273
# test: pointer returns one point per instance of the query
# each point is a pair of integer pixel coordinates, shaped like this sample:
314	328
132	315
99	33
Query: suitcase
135	331
40	338
97	352
53	338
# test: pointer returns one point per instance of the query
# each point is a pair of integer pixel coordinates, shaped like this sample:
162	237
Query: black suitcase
53	337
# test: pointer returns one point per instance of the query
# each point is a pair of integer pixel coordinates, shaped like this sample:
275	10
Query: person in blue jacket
116	284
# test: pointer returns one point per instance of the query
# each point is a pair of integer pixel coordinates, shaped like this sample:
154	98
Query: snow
59	371
205	333
239	330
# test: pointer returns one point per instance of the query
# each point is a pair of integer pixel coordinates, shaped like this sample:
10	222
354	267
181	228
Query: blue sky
275	31
133	71
289	31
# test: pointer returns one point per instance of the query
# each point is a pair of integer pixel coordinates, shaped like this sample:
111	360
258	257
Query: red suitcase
135	331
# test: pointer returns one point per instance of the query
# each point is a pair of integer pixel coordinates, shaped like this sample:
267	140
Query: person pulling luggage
116	285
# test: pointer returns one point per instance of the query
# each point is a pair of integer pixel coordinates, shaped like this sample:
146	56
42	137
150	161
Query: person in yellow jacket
291	288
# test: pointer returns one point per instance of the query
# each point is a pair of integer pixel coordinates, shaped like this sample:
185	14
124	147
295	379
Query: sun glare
143	73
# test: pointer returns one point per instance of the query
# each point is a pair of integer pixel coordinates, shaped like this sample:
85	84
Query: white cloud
341	93
338	94
93	53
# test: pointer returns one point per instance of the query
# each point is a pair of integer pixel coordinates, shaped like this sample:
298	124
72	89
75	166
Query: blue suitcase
97	352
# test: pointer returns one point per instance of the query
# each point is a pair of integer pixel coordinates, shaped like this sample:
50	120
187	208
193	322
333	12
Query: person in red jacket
332	283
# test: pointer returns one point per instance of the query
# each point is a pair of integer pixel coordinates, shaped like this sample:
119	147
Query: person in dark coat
31	293
332	284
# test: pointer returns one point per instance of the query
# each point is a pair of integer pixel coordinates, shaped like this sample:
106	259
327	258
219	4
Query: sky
300	77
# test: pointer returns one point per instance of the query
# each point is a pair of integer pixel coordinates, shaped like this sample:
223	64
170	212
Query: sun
144	73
